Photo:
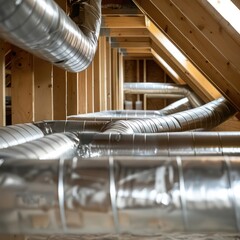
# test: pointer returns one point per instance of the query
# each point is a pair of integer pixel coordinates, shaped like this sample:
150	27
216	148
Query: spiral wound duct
204	117
19	133
180	105
164	90
120	195
42	28
159	144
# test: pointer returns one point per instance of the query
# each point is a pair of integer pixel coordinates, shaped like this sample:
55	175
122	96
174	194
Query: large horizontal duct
180	105
42	28
205	117
19	133
49	147
159	144
143	196
164	90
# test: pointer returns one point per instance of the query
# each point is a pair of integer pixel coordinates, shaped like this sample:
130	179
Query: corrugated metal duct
143	196
205	117
42	28
180	105
159	144
164	90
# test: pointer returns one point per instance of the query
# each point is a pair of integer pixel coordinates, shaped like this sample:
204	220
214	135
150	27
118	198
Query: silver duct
143	196
42	28
164	90
180	105
19	133
159	144
49	147
62	126
204	117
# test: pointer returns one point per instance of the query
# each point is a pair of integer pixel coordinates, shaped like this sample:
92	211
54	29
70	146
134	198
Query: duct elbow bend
51	34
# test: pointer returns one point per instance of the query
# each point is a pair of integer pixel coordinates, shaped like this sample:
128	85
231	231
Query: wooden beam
109	74
167	69
123	22
72	94
125	32
22	87
215	34
2	84
82	89
90	88
194	78
115	79
43	88
59	93
120	83
136	44
183	39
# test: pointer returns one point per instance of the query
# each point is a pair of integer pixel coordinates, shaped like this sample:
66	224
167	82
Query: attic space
119	119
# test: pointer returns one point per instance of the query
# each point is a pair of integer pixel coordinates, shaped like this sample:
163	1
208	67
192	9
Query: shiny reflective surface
163	90
42	28
18	134
204	117
145	195
161	144
48	147
180	105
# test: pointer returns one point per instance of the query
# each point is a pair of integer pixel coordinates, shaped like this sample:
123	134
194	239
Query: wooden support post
72	93
82	89
109	74
100	89
121	93
115	79
97	79
43	86
2	84
59	93
22	87
138	78
90	88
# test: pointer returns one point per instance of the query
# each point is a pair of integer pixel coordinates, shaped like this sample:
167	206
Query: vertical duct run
120	195
42	28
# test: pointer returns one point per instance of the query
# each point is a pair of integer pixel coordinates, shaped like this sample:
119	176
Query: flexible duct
180	105
204	117
19	133
166	90
61	126
49	147
42	28
159	144
120	195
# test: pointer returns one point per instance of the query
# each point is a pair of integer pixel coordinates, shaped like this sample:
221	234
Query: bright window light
229	11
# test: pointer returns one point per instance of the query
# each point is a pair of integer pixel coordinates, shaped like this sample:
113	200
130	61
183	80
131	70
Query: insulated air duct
164	90
42	28
205	117
143	196
159	144
180	105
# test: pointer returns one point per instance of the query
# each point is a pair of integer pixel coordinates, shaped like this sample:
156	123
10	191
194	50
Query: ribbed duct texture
42	28
144	196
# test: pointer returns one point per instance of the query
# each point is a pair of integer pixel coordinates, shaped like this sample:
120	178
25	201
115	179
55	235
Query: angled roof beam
178	62
161	12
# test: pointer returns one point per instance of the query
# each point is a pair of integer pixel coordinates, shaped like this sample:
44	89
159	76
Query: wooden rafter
167	17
